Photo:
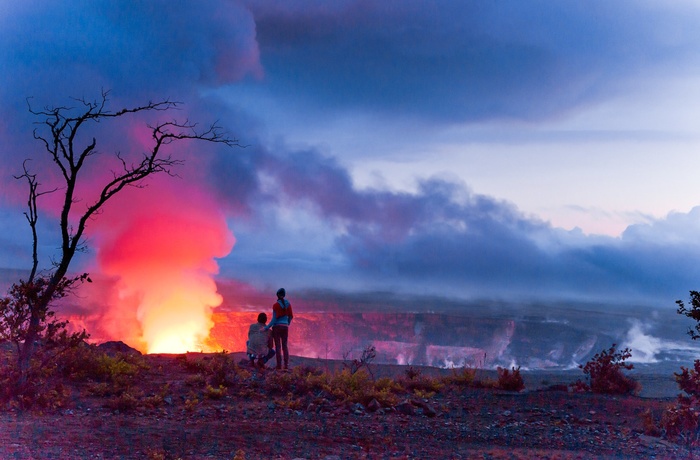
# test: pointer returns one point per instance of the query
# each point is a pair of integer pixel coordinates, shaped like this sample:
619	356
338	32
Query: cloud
467	61
137	47
462	61
443	238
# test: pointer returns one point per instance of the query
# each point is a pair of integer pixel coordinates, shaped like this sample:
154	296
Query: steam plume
162	253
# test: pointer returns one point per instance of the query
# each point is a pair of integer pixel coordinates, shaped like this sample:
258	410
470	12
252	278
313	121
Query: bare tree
27	311
368	355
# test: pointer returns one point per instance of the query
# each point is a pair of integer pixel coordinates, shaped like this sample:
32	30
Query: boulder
116	347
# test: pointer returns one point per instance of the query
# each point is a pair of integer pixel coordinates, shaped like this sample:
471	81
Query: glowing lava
175	312
163	260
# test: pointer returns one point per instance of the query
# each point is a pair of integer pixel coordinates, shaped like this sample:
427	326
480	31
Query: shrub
412	373
191	402
89	363
463	377
194	366
419	384
156	400
386	397
283	382
300	381
368	355
510	380
43	387
389	384
681	422
221	370
215	393
651	427
124	402
354	387
217	370
605	375
689	379
196	380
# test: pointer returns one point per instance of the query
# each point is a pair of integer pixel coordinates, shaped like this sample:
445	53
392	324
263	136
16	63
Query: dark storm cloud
465	60
137	47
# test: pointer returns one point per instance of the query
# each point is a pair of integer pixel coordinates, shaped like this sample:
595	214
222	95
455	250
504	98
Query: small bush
158	399
605	375
651	427
386	397
681	421
689	379
300	381
282	382
291	402
100	389
368	355
191	403
354	387
43	388
387	383
510	380
196	380
221	370
193	366
412	373
421	384
215	393
90	363
463	377
423	394
124	402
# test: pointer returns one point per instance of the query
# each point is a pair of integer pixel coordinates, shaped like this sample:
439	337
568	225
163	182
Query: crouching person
259	344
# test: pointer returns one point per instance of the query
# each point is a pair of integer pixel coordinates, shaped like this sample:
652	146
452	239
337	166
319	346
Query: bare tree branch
58	130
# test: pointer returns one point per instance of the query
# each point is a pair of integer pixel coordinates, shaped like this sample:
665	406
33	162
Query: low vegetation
604	373
117	379
681	421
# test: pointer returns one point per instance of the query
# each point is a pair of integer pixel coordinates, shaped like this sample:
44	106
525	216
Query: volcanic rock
405	408
115	347
373	405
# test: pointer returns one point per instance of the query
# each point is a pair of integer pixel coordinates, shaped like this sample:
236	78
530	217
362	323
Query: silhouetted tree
26	317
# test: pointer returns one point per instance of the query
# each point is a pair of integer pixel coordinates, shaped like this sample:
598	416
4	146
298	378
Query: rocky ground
246	422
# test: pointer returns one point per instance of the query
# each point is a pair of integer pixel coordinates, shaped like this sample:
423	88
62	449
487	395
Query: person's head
281	293
262	318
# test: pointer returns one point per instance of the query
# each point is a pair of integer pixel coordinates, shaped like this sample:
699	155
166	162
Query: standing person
259	344
281	319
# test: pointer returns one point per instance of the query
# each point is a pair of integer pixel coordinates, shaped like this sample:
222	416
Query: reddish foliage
510	380
605	375
689	380
681	421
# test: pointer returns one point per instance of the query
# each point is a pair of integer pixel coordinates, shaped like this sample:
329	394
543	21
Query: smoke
162	254
648	349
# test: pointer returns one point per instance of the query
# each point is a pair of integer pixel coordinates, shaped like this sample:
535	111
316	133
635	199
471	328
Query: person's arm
273	321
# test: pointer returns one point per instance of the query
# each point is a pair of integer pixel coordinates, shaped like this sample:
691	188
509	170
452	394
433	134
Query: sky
512	150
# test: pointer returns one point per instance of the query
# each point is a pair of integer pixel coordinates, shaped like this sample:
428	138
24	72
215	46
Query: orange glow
175	313
162	257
